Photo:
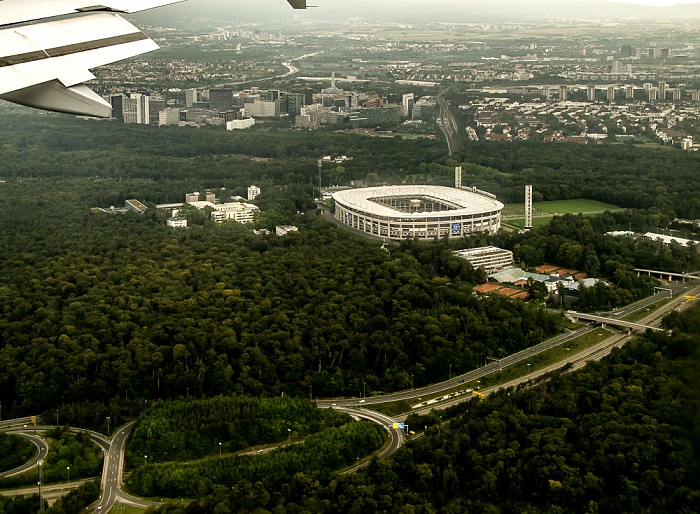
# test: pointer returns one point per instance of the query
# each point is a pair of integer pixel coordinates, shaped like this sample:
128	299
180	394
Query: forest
191	429
67	450
99	311
619	436
14	451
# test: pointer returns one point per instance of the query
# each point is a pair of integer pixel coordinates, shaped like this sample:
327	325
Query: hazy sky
432	10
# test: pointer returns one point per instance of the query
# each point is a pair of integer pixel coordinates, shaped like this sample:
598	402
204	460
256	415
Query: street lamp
41	503
450	371
364	394
146	457
219	450
68	470
411	382
108	432
289	435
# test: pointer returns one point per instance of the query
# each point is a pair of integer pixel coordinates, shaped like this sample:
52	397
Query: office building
221	99
168	117
408	101
490	258
590	92
611	93
563	93
262	109
253	191
117	102
629	91
137	109
241	124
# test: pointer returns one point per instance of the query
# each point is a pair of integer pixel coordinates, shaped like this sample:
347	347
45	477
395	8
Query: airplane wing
44	64
20	11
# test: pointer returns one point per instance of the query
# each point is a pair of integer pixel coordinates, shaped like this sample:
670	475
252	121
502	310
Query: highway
582	358
447	123
443	387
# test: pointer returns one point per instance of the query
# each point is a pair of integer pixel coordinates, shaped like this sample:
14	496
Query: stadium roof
467	201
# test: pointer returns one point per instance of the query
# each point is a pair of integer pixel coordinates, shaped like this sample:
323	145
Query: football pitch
514	214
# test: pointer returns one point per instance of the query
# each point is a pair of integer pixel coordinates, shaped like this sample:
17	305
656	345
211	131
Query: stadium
418	211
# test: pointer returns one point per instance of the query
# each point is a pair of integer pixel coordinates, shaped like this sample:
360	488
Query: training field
583	206
514	213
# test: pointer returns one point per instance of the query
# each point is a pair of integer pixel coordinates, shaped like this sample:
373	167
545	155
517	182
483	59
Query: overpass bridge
608	321
667	275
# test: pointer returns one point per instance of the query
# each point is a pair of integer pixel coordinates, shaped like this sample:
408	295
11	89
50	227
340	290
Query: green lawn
536	222
582	206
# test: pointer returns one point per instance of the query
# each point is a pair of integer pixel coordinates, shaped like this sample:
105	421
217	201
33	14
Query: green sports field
559	207
545	210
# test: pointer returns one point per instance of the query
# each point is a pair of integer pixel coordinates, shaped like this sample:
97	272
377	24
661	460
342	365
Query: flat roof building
490	258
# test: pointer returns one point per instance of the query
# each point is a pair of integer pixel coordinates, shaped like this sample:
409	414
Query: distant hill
417	10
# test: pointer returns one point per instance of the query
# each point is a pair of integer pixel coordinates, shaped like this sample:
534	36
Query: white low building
236	211
245	123
490	258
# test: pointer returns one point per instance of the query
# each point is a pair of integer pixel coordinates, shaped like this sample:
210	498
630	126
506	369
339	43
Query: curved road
396	434
42	451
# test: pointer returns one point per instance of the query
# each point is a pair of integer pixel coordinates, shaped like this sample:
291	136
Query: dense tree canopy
618	436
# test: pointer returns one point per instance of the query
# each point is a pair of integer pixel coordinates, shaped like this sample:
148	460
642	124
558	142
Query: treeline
77	499
579	242
620	435
268	475
630	176
190	429
66	450
14	451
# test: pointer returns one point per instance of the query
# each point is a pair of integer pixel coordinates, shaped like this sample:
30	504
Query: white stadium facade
418	211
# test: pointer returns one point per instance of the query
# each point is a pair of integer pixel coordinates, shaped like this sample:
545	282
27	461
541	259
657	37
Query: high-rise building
136	109
155	105
677	94
629	91
253	191
611	93
617	67
695	96
653	94
664	53
221	99
117	102
626	51
663	87
408	101
563	93
192	97
546	92
590	92
168	117
528	207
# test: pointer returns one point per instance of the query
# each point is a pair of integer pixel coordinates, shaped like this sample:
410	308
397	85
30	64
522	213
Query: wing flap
54	96
66	50
20	11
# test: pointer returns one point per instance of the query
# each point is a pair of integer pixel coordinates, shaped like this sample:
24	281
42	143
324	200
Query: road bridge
667	275
608	321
